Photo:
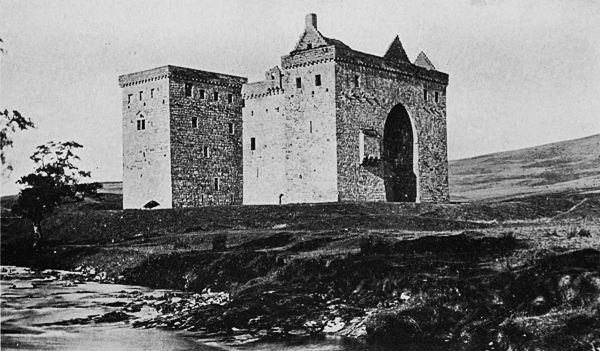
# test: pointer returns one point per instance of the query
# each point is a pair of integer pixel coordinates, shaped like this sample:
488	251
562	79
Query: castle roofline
183	73
314	48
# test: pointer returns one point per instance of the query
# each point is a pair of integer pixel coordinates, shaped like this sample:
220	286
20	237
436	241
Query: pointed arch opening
399	157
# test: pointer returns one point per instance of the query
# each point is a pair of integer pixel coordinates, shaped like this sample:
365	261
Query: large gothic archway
398	157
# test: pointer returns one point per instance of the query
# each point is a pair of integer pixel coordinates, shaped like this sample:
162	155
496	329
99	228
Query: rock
334	325
112	317
298	332
392	326
539	301
22	285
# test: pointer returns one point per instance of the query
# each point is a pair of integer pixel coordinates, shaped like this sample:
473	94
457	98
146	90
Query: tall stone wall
146	152
212	148
366	108
294	132
310	151
264	167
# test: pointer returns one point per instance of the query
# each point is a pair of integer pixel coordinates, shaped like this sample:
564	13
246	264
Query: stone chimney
311	20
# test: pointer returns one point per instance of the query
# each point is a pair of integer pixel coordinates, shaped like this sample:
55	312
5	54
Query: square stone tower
336	124
182	131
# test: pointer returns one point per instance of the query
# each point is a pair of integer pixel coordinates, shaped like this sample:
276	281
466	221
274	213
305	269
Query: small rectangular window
141	95
202	93
194	122
318	80
141	124
243	102
206	151
229	98
217	184
298	82
437	96
357	81
425	94
151	93
311	126
257	172
216	96
129	98
231	128
252	143
309	46
188	89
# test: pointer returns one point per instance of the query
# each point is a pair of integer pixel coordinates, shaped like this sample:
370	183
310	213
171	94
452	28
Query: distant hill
111	188
562	166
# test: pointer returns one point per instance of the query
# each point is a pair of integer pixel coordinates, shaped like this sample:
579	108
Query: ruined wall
146	152
367	107
193	169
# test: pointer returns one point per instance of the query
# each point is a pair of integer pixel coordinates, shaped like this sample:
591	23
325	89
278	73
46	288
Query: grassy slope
556	167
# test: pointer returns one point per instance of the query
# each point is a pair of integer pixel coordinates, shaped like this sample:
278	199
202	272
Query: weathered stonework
333	124
198	139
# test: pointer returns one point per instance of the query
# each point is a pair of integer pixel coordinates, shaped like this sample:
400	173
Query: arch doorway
399	177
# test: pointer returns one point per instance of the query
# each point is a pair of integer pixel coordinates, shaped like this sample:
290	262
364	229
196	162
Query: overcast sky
522	73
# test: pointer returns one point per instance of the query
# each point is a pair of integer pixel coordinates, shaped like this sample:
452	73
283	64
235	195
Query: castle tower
341	125
182	133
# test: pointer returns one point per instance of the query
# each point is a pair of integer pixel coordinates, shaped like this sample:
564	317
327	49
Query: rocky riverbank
500	276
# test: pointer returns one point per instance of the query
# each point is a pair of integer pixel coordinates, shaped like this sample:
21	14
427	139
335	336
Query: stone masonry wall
367	107
310	150
264	167
294	131
194	169
146	152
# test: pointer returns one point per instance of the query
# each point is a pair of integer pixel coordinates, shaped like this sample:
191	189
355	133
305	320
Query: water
26	314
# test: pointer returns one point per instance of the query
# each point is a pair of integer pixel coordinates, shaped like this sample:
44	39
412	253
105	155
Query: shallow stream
33	308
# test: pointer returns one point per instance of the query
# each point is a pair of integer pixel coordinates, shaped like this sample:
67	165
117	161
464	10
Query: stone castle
331	124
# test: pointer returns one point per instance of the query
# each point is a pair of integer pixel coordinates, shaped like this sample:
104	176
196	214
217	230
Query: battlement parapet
262	88
180	73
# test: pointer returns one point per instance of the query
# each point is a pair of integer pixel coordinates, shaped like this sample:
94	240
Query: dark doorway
400	180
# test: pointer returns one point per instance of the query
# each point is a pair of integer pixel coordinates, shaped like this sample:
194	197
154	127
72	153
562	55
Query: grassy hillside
563	166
